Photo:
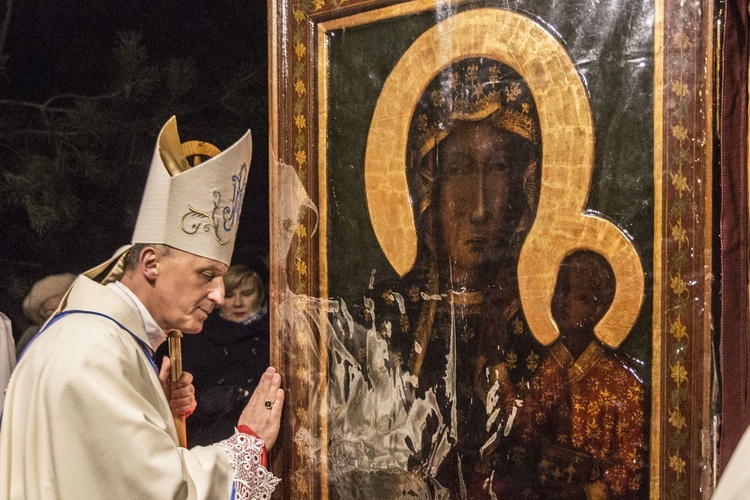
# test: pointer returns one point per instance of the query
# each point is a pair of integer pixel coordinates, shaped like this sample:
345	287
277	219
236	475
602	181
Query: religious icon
465	289
474	153
581	431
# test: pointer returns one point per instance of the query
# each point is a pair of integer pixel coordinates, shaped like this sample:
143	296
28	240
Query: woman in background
227	358
41	301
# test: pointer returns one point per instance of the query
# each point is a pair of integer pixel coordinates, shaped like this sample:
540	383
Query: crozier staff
228	358
85	414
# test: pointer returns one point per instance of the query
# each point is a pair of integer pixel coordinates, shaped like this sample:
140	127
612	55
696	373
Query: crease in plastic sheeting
375	418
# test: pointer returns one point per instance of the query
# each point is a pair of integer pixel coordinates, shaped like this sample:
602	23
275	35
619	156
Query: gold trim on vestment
585	362
577	369
467	298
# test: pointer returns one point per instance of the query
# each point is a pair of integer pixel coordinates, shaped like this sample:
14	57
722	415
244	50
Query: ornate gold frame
681	370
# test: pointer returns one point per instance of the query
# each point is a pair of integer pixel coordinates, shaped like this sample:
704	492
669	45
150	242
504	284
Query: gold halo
567	137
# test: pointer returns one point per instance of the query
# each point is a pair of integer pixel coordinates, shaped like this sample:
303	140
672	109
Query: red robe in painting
577	423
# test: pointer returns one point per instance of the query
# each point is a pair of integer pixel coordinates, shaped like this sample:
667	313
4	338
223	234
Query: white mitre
194	209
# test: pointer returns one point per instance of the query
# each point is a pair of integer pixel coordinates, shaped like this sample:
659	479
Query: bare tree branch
33	105
6	25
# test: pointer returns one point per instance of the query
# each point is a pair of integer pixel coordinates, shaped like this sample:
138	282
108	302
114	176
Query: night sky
57	46
66	46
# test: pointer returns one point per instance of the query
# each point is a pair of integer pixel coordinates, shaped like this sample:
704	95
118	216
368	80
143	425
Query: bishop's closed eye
208	275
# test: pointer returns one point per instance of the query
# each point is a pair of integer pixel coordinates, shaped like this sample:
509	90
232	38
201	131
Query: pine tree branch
45	132
32	105
45	106
238	85
101	97
10	148
6	25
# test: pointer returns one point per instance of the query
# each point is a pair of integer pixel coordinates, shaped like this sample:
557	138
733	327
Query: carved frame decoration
681	434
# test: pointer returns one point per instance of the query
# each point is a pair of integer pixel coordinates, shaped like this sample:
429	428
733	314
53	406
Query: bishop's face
479	173
185	291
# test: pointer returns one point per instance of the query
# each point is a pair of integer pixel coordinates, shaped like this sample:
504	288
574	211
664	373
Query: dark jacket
226	360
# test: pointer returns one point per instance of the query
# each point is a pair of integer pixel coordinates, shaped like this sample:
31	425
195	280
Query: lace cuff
251	479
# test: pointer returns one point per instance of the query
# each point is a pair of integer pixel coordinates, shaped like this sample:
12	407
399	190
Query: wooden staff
174	338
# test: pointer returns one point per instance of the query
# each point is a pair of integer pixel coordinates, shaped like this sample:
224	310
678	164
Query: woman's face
50	306
243	301
479	168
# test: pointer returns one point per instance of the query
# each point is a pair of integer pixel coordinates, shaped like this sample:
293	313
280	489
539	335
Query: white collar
155	334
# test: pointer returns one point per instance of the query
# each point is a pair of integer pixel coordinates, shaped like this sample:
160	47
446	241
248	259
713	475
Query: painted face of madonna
480	169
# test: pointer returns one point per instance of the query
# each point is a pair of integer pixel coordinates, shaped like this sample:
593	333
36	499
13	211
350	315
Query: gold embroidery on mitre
196	152
231	212
212	223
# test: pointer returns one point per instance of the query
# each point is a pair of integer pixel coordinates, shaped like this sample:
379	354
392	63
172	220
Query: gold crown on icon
471	90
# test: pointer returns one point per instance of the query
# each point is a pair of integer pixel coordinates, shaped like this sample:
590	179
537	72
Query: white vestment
734	483
86	417
7	356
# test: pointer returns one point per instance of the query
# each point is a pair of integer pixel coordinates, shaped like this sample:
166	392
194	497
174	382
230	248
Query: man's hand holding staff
178	386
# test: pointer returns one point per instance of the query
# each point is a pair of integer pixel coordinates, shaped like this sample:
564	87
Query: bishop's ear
148	262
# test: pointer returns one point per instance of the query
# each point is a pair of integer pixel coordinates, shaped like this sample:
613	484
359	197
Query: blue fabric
141	343
227	360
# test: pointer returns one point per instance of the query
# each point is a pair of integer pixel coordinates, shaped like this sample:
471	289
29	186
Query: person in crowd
7	356
228	358
734	482
42	300
86	415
